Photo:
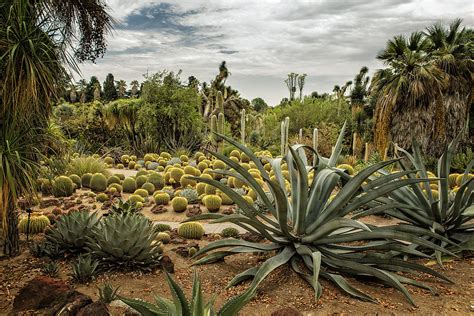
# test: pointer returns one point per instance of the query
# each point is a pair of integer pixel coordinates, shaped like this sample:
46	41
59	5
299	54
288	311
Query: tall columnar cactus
220	130
220	102
214	129
315	144
300	136
242	126
284	135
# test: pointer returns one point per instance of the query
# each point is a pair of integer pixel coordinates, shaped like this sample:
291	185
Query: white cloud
262	41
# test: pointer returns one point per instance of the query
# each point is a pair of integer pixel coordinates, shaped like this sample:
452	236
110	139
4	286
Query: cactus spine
284	135
242	126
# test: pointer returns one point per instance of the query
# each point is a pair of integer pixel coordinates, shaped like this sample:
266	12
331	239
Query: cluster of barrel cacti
37	224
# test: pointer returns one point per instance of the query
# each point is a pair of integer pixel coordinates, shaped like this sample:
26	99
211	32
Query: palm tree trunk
11	246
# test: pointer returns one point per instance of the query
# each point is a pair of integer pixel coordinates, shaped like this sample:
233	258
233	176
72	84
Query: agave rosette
310	231
450	215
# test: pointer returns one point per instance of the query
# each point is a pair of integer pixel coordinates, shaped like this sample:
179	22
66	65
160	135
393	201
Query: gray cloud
262	41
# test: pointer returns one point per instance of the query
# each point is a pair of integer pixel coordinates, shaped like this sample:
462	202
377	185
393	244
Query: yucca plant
125	240
449	215
71	231
310	230
180	306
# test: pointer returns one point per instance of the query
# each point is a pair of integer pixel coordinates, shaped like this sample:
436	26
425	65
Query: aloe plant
309	229
449	215
180	306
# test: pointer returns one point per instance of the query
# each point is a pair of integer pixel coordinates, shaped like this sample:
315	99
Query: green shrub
179	204
129	185
83	165
191	230
63	186
98	182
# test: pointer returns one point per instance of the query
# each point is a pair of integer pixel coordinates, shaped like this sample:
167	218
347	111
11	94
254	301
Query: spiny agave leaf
301	192
333	225
236	242
144	308
318	290
388	177
409	281
179	299
457	205
419	231
386	245
239	278
347	193
469	211
197	304
323	185
363	269
338	147
235	304
347	287
402	209
316	267
213	257
281	204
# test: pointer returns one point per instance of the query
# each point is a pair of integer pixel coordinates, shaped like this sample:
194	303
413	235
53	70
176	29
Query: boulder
97	308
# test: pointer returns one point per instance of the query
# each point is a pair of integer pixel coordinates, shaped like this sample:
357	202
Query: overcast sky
262	41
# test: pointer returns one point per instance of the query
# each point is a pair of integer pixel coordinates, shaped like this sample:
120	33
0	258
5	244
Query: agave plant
125	240
309	229
180	306
72	230
107	293
84	268
449	215
122	207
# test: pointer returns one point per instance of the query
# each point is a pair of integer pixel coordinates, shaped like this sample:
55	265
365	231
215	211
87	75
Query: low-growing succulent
71	231
149	187
230	232
173	161
125	240
179	204
129	185
161	227
141	192
113	179
63	186
190	194
84	268
163	237
51	269
161	198
135	198
347	168
38	224
157	180
98	182
102	197
212	202
191	230
76	179
86	180
142	179
124	207
118	188
107	293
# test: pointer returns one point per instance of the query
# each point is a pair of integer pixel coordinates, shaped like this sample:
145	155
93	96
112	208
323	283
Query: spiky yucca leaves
71	231
311	230
426	214
180	306
125	240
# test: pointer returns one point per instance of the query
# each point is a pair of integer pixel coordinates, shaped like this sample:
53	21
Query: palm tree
122	88
426	89
135	87
35	38
340	94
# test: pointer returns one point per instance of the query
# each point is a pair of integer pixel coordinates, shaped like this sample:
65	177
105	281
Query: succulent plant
212	202
129	185
98	182
230	232
149	187
86	180
191	230
163	237
135	198
109	160
141	192
124	207
131	165
107	293
125	240
179	204
71	231
102	197
84	268
63	186
161	227
210	189
118	188
173	161
347	168
157	180
113	179
201	188
141	180
310	230
76	179
51	269
169	191
176	174
190	194
185	181
45	248
38	224
180	304
161	198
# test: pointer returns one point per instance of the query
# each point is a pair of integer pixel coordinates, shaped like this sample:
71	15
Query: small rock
167	264
97	308
182	251
69	204
177	240
228	211
251	237
193	210
44	203
158	209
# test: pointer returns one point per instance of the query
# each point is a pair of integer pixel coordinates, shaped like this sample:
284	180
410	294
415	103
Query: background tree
97	91
301	81
121	88
259	104
358	99
37	35
110	92
91	87
291	82
426	89
135	89
72	93
82	88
